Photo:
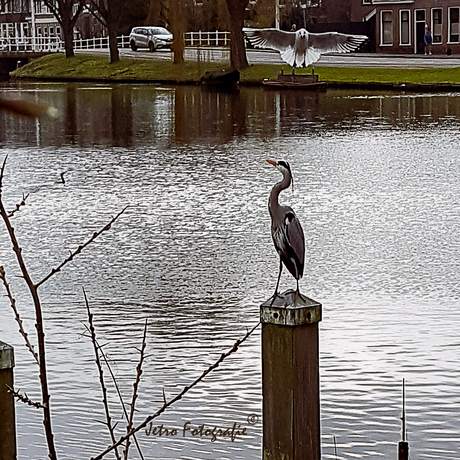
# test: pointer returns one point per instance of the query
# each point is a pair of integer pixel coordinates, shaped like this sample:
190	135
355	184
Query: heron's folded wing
270	38
334	42
296	239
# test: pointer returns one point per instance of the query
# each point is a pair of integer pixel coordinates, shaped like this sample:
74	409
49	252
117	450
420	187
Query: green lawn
98	67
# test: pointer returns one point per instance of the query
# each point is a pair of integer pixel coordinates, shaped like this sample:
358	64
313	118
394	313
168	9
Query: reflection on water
377	190
127	115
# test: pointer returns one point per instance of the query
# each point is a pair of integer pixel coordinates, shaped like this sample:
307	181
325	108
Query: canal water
377	191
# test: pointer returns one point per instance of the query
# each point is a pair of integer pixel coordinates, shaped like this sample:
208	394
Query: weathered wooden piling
403	446
7	415
290	378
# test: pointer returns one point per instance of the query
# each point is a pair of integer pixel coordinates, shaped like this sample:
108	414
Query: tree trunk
113	45
67	32
177	29
236	9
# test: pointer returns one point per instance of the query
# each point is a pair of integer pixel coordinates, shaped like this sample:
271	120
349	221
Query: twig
135	388
16	315
24	398
177	397
123	405
39	326
28	108
18	206
2	171
101	375
79	249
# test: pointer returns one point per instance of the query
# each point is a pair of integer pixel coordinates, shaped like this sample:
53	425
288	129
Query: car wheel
133	46
152	47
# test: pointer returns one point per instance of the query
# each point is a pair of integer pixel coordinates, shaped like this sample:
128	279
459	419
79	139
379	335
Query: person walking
428	40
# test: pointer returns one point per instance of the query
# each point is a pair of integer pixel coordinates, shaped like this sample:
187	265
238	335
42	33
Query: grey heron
302	48
286	231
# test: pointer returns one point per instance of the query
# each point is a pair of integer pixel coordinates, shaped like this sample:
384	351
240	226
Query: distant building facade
396	27
18	20
401	26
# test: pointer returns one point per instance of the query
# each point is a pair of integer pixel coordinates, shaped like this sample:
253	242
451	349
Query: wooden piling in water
7	413
403	446
290	378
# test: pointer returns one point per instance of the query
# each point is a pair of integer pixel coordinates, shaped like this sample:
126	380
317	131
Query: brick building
400	26
396	27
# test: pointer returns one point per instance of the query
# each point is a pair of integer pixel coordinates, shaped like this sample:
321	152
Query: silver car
150	37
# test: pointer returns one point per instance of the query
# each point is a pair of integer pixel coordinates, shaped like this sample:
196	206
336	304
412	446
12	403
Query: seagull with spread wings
302	48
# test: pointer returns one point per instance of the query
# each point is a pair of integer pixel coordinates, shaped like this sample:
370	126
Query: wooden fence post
290	378
7	417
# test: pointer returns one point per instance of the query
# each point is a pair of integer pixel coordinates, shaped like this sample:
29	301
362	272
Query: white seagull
302	48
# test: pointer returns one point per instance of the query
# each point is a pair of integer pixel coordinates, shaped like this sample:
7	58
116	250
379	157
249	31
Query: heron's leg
275	295
297	292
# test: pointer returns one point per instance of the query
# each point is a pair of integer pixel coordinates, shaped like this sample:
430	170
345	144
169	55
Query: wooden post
290	378
7	417
403	446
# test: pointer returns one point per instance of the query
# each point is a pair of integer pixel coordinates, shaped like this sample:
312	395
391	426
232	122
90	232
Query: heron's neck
284	184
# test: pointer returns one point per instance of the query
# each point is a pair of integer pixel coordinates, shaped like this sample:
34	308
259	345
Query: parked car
150	37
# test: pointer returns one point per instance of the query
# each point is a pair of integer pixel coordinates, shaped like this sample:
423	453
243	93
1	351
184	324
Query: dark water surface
377	190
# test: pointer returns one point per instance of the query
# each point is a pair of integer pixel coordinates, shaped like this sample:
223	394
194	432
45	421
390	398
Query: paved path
273	57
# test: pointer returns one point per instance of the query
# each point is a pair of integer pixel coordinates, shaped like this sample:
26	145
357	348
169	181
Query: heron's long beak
274	163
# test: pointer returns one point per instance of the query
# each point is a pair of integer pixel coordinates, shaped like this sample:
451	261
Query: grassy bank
56	66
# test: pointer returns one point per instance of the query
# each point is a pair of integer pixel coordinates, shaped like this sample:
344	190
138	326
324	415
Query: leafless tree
67	13
110	14
236	10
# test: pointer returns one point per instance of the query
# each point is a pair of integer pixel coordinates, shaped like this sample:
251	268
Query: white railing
91	43
216	38
37	44
29	44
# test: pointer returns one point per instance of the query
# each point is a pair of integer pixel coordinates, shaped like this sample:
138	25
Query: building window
386	33
454	26
404	30
5	6
437	25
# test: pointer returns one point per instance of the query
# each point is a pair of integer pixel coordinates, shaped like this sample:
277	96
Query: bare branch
177	397
28	108
18	206
38	325
16	315
135	388
79	249
24	398
101	374
2	171
120	396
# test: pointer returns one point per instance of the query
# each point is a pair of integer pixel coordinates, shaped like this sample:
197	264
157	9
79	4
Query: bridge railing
30	44
34	44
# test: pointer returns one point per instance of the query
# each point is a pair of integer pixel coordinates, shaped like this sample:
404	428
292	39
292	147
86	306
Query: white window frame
381	28
409	42
433	34
449	25
5	7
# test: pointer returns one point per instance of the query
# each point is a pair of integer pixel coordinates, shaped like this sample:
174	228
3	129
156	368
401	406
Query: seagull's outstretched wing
270	38
334	42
